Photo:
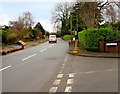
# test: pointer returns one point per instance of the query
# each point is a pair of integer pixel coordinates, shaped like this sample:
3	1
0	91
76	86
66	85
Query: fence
110	46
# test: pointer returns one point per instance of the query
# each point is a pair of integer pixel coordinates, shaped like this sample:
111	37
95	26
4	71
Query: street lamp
71	24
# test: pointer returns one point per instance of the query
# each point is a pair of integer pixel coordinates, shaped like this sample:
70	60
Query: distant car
52	38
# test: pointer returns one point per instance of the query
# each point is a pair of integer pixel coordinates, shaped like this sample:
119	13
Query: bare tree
110	11
16	25
60	15
26	19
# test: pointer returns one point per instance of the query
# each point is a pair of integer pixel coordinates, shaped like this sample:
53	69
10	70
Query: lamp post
71	24
75	50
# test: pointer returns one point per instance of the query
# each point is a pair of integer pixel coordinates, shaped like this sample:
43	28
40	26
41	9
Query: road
48	68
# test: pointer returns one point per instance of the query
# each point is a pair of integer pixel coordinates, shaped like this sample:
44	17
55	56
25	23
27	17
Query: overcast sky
40	9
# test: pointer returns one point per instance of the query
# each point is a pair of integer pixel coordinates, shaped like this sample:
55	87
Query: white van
52	38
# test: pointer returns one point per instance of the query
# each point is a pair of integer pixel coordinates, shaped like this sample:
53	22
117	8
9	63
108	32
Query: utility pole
71	23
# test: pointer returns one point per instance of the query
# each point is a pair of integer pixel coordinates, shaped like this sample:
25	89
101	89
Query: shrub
9	37
90	38
4	36
67	37
25	37
12	38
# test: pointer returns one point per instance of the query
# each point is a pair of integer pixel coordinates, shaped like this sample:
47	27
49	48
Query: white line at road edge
5	68
28	57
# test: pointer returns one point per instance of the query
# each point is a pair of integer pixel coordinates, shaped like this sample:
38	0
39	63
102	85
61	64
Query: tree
60	17
26	19
88	13
16	25
110	12
40	28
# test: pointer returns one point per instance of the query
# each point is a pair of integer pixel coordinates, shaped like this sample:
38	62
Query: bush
9	37
25	37
90	38
67	37
12	38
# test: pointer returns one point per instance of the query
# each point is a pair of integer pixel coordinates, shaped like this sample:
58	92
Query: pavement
12	49
94	54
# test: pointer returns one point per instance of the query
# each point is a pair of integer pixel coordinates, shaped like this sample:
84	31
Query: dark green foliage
39	28
116	26
34	33
57	34
90	38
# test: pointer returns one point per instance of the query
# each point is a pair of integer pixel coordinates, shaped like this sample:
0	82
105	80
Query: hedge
89	39
66	37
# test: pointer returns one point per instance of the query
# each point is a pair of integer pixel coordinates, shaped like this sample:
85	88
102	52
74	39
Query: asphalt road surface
48	68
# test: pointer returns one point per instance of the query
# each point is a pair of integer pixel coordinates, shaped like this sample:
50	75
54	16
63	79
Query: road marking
56	82
53	44
50	46
68	89
60	71
53	89
42	50
62	67
59	75
90	72
71	75
5	68
28	57
70	81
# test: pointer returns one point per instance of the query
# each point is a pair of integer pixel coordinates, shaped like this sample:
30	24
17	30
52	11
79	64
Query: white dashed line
50	46
89	72
28	57
71	75
61	71
68	89
53	89
62	67
5	68
53	44
70	81
56	82
59	75
43	50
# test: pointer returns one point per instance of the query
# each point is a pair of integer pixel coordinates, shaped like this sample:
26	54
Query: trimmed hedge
66	37
89	39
